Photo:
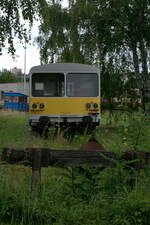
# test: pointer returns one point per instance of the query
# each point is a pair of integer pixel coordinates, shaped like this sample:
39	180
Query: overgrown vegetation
76	196
8	77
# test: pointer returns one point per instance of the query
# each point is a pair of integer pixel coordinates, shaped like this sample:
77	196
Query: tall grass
76	196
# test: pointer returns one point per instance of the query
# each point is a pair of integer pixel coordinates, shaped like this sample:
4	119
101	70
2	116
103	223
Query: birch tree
13	17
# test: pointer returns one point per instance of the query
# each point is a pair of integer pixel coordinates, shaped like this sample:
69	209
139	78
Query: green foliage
11	25
7	77
111	34
76	196
82	182
111	87
59	38
128	211
73	199
135	130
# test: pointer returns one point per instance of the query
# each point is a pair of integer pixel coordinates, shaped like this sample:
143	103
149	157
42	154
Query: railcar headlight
95	105
88	105
42	106
34	106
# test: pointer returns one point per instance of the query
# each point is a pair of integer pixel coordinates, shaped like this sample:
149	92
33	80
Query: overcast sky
32	53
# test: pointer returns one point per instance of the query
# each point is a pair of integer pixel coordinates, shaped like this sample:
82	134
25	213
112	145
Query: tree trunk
133	47
145	75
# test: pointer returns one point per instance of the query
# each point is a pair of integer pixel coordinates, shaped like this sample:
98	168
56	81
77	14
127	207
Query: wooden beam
72	158
36	172
75	158
64	158
17	156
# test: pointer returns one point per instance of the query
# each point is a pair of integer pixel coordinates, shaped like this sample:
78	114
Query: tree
102	32
123	26
131	25
59	39
14	16
8	77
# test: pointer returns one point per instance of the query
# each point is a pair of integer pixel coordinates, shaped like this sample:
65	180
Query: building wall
14	87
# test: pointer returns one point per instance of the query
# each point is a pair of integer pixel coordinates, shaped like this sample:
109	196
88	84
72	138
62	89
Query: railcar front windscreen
82	85
48	85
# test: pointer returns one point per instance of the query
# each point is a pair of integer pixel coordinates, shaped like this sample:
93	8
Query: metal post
25	68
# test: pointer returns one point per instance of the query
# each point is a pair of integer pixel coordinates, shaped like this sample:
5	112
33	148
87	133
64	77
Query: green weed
76	196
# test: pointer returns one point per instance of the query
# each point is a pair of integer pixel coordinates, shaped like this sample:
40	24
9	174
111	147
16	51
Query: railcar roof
64	68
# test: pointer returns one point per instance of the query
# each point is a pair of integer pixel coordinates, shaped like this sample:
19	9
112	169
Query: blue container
15	101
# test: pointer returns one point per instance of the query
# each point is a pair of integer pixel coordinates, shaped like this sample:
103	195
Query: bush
8	77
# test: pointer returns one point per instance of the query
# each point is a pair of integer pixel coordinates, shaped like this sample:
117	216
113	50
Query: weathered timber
73	158
36	171
64	158
17	156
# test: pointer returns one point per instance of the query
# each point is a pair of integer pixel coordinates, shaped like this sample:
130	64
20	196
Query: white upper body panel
64	68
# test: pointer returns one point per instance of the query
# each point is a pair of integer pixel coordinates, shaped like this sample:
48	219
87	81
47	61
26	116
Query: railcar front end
64	94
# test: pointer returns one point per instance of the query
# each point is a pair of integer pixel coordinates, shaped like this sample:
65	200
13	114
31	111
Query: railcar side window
82	85
48	85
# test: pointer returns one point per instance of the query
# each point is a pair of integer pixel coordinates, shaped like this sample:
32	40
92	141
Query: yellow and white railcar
64	93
